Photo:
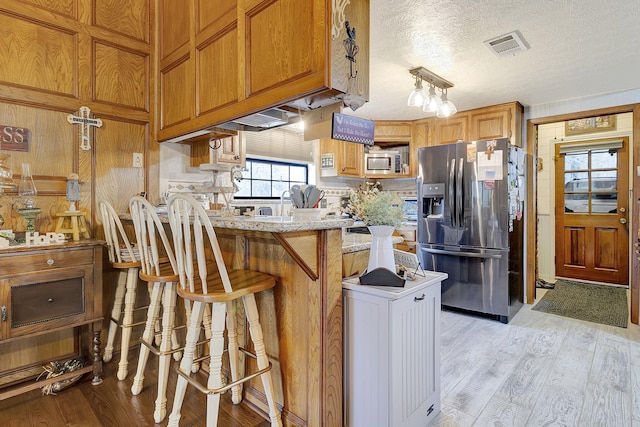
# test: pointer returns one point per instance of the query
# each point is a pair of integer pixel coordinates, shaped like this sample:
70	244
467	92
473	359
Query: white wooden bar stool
158	268
208	282
125	258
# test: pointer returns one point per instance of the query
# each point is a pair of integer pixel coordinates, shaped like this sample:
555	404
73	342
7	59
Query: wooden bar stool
72	223
158	269
125	258
208	282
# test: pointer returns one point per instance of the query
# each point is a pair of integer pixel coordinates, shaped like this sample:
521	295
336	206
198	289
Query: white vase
381	252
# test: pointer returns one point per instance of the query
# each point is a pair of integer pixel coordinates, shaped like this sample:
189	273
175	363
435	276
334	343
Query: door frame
587	222
531	213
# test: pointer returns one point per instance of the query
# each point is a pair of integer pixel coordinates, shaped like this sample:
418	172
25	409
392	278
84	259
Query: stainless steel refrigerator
471	197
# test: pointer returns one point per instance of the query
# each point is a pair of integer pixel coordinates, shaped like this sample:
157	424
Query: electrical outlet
323	203
137	160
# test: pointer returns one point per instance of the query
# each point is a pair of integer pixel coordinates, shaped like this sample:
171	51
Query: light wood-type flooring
539	370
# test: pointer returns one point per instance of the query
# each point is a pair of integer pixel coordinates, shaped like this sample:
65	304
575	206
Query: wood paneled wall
59	55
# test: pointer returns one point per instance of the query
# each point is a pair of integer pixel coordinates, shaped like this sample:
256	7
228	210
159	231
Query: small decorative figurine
73	191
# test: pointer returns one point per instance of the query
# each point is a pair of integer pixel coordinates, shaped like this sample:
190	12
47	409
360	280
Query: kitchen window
267	179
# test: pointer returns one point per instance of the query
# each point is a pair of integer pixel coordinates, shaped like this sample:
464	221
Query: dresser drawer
45	301
45	260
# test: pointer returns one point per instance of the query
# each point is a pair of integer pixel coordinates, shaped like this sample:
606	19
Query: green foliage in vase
374	207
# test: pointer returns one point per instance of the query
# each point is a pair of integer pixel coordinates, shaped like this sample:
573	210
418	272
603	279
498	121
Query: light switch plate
137	160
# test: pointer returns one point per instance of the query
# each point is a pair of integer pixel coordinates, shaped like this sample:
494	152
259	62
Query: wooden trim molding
634	232
46	185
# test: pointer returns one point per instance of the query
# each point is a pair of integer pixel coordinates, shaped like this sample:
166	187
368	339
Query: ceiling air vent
507	44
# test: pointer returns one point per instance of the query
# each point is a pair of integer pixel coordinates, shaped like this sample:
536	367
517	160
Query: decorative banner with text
352	129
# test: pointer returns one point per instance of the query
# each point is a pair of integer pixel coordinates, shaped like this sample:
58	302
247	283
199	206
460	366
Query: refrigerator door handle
459	193
452	173
461	254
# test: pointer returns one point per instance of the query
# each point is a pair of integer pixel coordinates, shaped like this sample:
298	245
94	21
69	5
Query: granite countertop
351	242
274	224
354	242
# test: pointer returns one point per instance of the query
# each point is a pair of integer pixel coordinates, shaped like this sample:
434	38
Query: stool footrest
201	388
154	349
142	322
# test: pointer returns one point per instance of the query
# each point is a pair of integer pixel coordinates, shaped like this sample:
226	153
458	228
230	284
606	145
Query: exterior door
592	203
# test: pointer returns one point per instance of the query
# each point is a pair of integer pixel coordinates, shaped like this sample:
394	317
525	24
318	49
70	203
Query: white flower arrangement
374	207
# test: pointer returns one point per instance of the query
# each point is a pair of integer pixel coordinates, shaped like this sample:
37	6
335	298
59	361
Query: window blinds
279	144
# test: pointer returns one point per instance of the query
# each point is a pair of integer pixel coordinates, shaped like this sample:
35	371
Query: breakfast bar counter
301	317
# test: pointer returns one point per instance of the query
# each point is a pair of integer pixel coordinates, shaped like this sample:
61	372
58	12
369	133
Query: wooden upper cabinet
223	60
220	152
392	130
499	121
452	129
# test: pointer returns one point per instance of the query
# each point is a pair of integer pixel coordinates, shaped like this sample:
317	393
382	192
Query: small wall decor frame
590	124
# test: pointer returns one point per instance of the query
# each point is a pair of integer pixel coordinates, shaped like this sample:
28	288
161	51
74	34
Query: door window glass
590	182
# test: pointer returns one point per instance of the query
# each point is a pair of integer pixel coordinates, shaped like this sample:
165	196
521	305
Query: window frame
270	162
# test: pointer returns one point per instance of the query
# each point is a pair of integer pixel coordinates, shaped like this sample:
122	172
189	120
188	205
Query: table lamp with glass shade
26	190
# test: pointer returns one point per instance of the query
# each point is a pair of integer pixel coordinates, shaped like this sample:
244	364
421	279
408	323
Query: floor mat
585	301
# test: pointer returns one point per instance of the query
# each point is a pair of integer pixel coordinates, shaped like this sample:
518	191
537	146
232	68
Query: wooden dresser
43	291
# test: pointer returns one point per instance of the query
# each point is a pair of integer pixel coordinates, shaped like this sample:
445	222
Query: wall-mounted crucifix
85	126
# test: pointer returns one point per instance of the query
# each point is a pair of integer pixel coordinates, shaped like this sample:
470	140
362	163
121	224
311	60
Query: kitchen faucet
282	201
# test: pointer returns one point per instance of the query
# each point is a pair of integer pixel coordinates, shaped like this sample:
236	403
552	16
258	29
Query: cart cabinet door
415	357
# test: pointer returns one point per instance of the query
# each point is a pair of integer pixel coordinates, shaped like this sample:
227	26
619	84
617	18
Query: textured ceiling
578	48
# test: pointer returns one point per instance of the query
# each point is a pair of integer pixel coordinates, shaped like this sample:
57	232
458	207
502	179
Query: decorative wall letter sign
50	238
85	122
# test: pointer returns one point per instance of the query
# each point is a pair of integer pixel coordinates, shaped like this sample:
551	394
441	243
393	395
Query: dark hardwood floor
112	404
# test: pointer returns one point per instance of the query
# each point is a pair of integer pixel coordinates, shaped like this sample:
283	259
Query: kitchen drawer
44	301
45	260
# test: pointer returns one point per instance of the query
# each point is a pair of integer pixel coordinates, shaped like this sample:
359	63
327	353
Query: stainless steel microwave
382	163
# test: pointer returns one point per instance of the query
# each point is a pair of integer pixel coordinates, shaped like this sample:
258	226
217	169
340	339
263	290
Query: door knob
623	220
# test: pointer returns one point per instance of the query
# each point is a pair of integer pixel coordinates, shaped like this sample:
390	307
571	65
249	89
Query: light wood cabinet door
348	158
499	121
392	130
490	125
422	133
452	129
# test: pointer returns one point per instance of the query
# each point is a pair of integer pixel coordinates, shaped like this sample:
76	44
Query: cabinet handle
416	299
50	261
4	313
50	300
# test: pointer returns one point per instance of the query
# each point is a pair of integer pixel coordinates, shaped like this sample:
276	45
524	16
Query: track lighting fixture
431	102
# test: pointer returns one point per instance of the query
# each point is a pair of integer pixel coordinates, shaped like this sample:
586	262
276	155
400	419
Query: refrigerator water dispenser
432	200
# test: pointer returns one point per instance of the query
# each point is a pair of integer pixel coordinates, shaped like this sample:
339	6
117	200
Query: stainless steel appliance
470	223
381	162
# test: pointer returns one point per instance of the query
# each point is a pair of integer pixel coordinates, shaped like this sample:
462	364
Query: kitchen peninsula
302	316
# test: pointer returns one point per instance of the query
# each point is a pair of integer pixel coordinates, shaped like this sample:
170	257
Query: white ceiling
578	48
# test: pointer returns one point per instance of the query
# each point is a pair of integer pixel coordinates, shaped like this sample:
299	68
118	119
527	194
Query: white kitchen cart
392	352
